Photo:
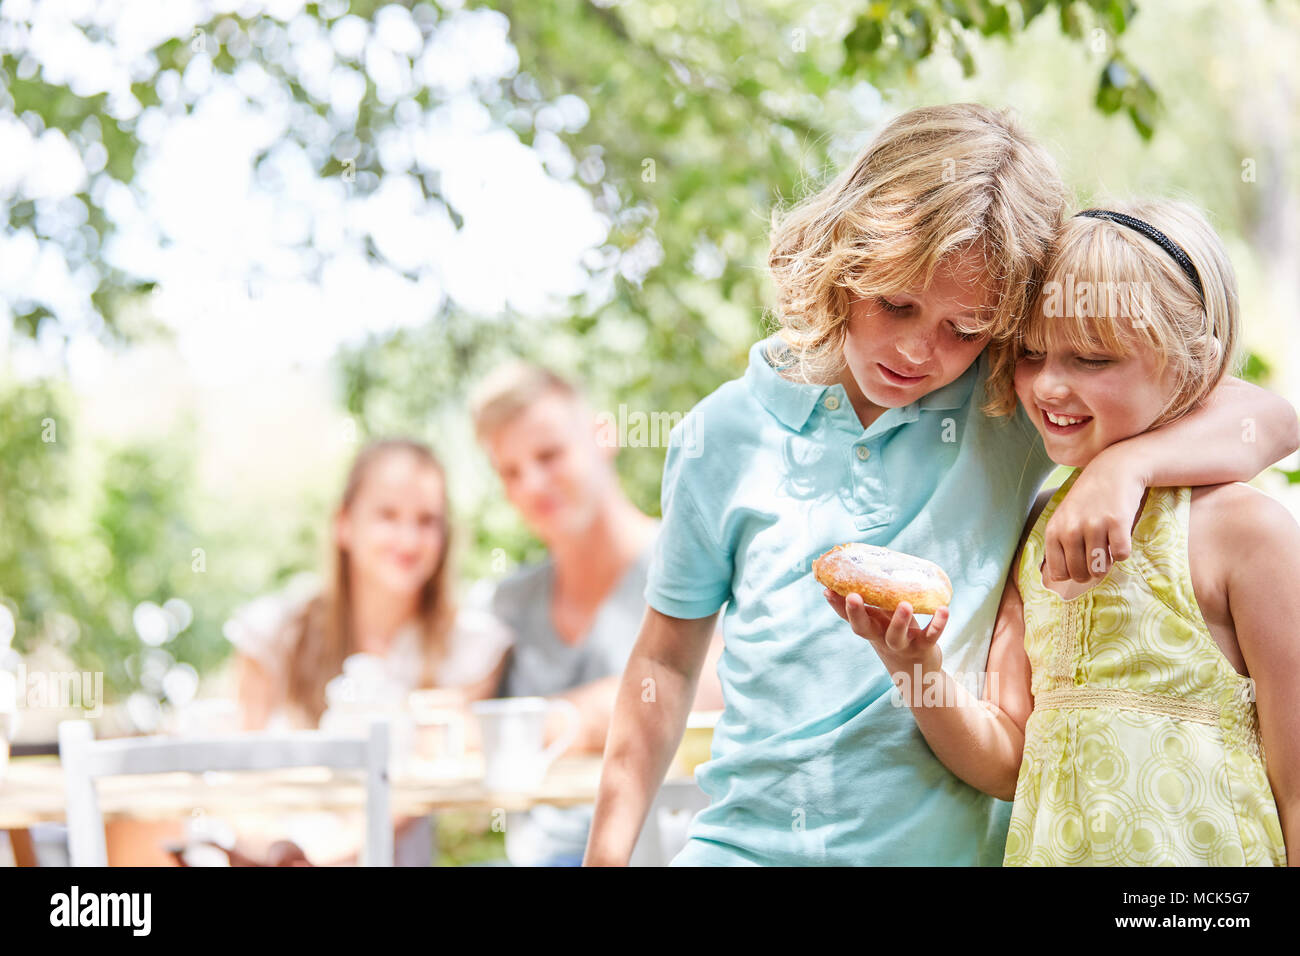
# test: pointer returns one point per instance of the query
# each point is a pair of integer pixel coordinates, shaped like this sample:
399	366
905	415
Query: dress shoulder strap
1162	538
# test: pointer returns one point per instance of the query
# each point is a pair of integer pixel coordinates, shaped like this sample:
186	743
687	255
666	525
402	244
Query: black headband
1155	235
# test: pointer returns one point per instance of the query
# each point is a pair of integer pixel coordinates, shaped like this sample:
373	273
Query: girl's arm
1239	431
650	711
1008	674
1260	545
981	741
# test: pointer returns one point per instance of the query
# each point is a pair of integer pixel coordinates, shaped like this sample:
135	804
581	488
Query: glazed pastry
885	578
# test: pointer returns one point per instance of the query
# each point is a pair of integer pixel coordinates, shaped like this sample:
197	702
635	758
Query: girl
388	597
1146	703
863	421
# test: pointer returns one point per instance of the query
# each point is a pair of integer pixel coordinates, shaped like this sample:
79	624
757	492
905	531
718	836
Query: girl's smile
1059	423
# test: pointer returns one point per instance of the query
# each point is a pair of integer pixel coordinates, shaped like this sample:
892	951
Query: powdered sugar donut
885	578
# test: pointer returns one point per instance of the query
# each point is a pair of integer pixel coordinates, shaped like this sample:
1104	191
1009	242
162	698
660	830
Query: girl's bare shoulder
1235	518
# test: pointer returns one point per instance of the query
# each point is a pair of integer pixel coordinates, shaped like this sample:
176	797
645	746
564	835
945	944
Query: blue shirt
816	760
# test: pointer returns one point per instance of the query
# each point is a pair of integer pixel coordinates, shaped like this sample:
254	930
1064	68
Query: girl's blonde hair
1136	292
935	182
322	630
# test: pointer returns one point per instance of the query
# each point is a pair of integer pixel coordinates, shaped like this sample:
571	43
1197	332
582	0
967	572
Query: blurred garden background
242	238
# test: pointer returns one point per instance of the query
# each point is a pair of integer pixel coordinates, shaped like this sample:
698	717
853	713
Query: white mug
513	729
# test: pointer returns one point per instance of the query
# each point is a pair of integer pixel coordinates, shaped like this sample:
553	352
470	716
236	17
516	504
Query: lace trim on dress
1078	698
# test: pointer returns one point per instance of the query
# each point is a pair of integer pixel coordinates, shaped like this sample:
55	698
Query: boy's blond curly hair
936	182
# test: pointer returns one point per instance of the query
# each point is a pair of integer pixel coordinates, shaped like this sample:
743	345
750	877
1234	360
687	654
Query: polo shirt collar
792	403
789	402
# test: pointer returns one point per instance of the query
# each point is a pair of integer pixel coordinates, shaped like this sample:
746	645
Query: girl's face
392	530
551	466
900	348
1103	397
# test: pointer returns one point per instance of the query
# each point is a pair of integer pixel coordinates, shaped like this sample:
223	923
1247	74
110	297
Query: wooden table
136	806
32	791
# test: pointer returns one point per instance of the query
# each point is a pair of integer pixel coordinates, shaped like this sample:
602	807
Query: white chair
85	760
664	833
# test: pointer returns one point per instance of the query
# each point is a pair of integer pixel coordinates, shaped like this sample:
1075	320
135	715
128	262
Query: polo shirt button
832	402
863	452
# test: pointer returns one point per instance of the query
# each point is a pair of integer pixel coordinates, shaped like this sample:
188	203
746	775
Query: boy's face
900	348
1104	397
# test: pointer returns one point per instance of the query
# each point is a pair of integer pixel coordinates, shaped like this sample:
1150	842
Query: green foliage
32	482
467	837
1257	370
139	522
81	547
888	37
1123	87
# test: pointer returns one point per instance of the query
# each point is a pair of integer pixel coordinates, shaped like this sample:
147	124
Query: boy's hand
1091	527
900	643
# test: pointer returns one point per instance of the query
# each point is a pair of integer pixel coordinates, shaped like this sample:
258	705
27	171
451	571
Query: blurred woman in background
389	594
388	598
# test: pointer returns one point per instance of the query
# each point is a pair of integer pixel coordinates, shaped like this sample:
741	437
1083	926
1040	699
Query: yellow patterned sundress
1143	747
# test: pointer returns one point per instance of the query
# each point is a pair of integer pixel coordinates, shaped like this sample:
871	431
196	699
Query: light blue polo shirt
813	763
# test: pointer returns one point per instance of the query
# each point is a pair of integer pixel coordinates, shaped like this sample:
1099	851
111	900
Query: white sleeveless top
476	644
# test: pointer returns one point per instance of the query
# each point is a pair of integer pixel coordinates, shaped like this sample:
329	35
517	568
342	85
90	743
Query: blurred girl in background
388	598
389	595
